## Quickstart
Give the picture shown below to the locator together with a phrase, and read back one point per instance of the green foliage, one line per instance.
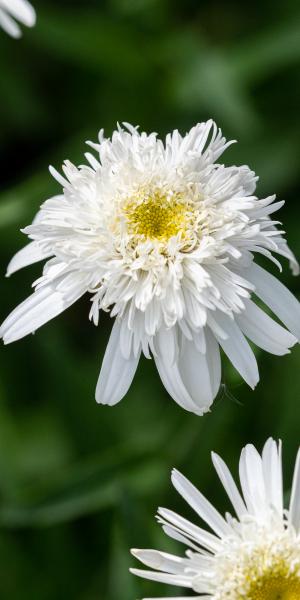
(80, 483)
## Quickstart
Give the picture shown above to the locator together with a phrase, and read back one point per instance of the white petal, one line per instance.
(238, 350)
(264, 331)
(277, 297)
(174, 385)
(21, 10)
(193, 532)
(213, 361)
(161, 561)
(28, 255)
(272, 469)
(125, 340)
(169, 371)
(9, 25)
(191, 377)
(284, 250)
(167, 344)
(252, 481)
(42, 306)
(229, 485)
(175, 534)
(200, 504)
(294, 512)
(201, 373)
(179, 580)
(117, 372)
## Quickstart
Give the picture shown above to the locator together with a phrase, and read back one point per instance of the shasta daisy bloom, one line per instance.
(254, 555)
(164, 238)
(16, 10)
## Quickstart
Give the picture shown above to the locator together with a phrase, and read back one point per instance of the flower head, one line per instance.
(254, 555)
(164, 238)
(16, 10)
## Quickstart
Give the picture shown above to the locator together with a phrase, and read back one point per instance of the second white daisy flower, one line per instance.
(252, 556)
(164, 238)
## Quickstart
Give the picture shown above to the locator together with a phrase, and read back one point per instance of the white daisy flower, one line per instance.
(163, 237)
(16, 10)
(253, 556)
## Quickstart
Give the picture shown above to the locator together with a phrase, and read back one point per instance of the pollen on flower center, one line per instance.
(275, 586)
(270, 571)
(159, 216)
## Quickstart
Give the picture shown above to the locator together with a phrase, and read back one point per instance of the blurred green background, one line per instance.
(80, 483)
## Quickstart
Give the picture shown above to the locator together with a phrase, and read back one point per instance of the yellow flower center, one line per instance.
(275, 587)
(159, 216)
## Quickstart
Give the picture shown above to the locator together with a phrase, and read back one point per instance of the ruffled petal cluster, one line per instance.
(164, 237)
(253, 555)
